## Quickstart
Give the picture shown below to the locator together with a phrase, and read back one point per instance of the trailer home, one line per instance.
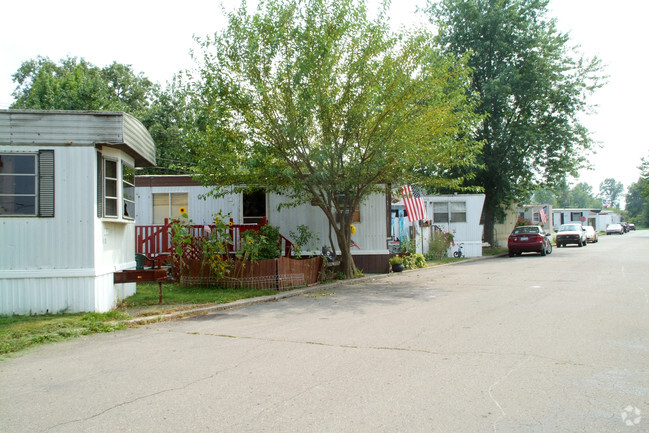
(161, 197)
(67, 208)
(458, 214)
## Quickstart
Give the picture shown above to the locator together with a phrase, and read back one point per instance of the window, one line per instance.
(27, 184)
(454, 212)
(110, 188)
(115, 188)
(458, 212)
(167, 205)
(128, 191)
(356, 213)
(440, 212)
(575, 216)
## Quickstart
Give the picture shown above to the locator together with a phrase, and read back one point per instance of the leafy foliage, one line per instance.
(610, 192)
(260, 244)
(75, 84)
(532, 89)
(304, 239)
(315, 100)
(440, 242)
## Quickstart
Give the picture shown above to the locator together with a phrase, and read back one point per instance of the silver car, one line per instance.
(591, 234)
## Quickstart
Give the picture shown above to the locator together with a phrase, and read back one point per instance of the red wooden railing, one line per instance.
(155, 240)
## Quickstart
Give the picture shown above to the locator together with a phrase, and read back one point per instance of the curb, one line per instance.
(198, 311)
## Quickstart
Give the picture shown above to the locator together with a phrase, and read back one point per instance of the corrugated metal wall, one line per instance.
(199, 210)
(370, 231)
(65, 241)
(65, 263)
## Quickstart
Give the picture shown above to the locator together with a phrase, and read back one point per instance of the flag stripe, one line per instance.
(414, 204)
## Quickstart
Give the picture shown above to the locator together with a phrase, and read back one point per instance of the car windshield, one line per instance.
(524, 229)
(570, 228)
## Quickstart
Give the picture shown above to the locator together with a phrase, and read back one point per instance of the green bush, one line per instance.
(414, 261)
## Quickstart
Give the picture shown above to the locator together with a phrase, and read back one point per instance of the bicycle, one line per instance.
(458, 253)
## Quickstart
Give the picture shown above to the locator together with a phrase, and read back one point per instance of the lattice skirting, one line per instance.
(273, 282)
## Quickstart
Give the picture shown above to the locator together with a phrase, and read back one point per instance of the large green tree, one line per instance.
(533, 90)
(75, 84)
(318, 101)
(610, 192)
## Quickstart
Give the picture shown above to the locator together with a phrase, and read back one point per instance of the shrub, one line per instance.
(414, 261)
(439, 244)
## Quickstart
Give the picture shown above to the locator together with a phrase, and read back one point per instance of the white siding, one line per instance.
(468, 233)
(371, 235)
(199, 210)
(62, 242)
(65, 263)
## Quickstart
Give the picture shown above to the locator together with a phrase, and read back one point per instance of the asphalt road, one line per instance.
(524, 344)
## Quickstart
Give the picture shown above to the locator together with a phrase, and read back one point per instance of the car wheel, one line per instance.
(549, 248)
(511, 254)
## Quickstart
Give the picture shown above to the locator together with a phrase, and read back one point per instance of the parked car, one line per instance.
(631, 226)
(572, 233)
(614, 229)
(591, 234)
(529, 239)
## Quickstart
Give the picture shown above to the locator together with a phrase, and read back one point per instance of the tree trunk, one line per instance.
(488, 219)
(347, 265)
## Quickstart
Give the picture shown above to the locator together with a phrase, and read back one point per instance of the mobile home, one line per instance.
(67, 208)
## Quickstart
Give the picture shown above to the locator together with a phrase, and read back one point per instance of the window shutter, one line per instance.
(100, 186)
(46, 183)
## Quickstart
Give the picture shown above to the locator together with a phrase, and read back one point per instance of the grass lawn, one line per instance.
(21, 332)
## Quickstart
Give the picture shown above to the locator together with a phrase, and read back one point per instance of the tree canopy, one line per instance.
(318, 101)
(532, 89)
(610, 192)
(75, 84)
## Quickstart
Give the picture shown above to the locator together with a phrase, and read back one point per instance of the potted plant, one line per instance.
(397, 263)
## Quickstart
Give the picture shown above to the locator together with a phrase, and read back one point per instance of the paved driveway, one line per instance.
(525, 344)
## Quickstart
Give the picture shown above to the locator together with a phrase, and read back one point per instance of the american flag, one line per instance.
(543, 215)
(414, 203)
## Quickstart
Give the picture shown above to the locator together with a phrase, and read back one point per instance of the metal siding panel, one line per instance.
(62, 242)
(75, 128)
(200, 210)
(46, 295)
(370, 231)
(138, 138)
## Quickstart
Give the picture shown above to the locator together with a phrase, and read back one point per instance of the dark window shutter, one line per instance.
(46, 183)
(100, 186)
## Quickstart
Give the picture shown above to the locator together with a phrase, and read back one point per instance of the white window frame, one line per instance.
(105, 179)
(128, 203)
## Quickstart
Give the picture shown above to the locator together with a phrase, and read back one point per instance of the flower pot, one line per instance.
(397, 267)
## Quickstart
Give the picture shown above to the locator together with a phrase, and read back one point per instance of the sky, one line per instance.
(155, 38)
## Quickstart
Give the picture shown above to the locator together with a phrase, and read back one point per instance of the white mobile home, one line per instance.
(458, 214)
(597, 218)
(161, 197)
(67, 208)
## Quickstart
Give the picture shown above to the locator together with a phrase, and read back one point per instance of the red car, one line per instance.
(529, 239)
